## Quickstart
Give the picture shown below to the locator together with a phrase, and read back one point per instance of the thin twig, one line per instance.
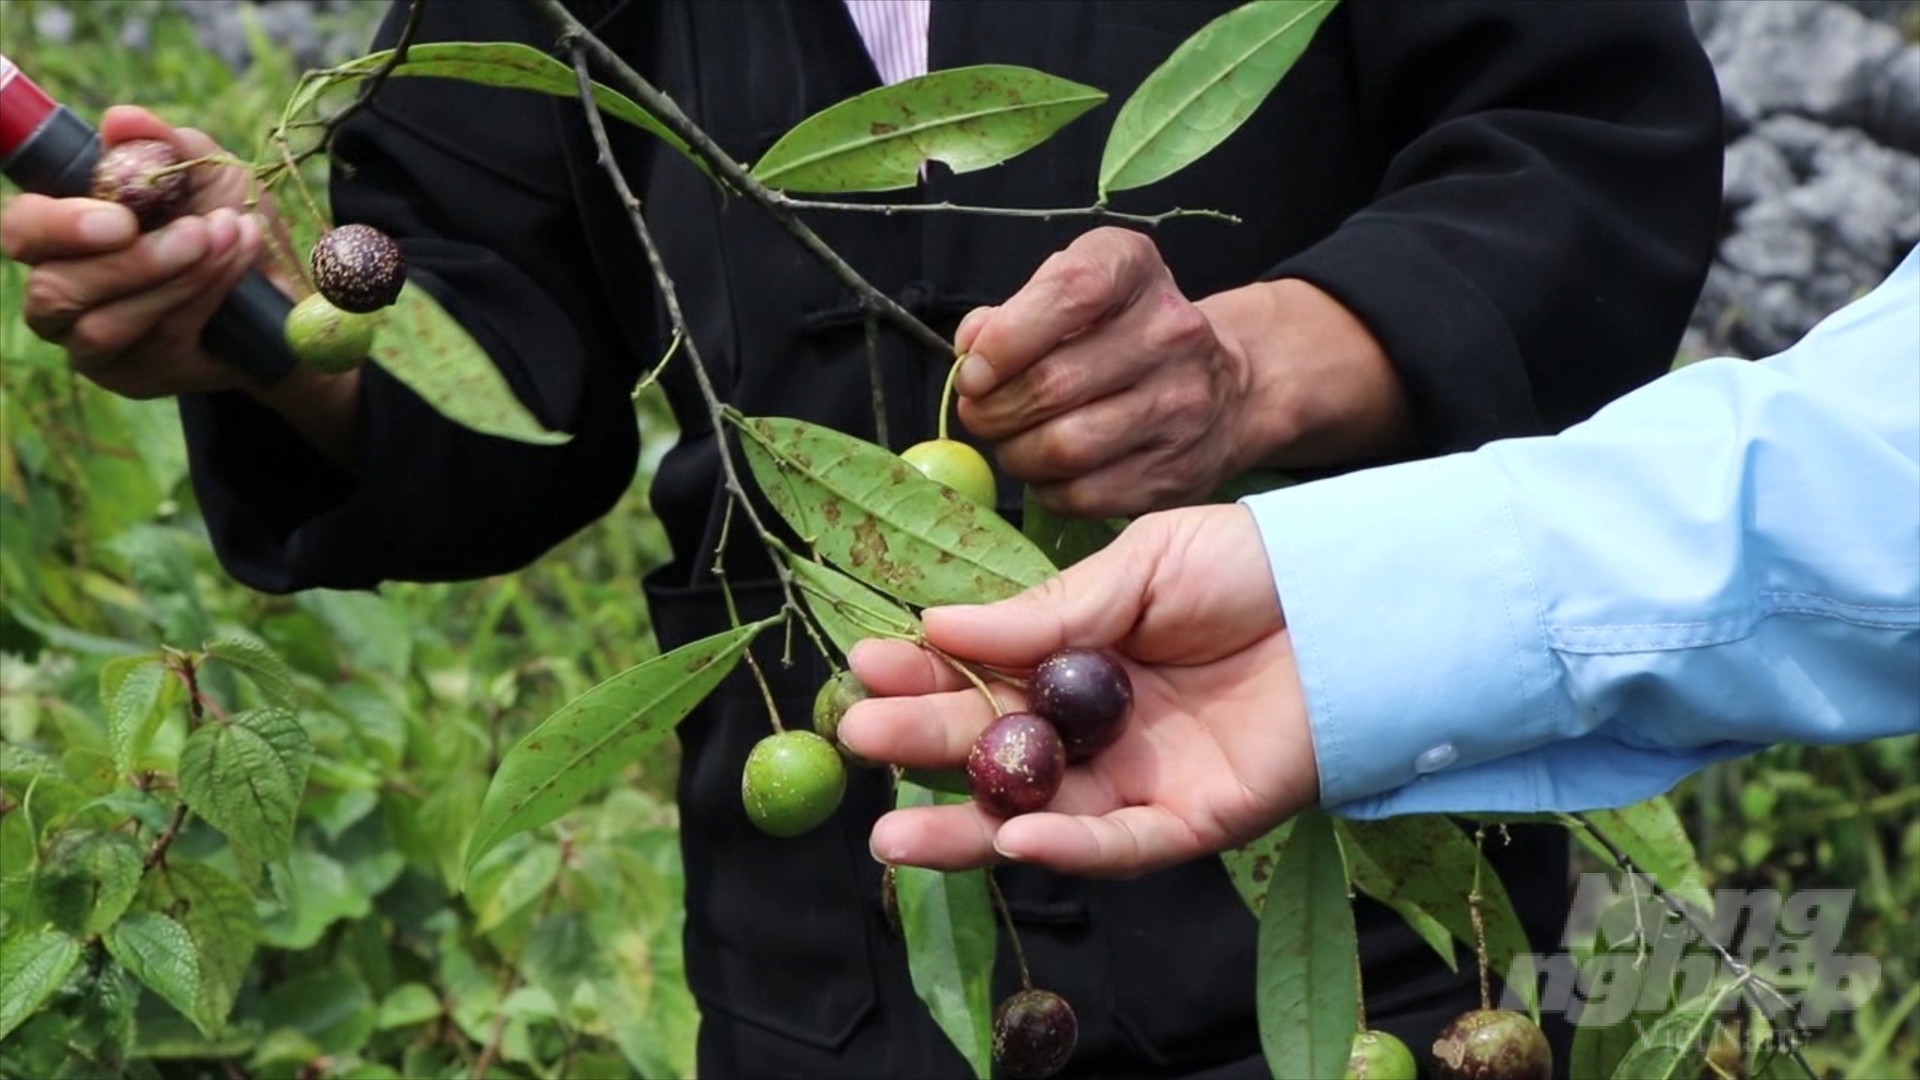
(875, 382)
(579, 45)
(157, 853)
(576, 36)
(1751, 984)
(1479, 926)
(1099, 213)
(375, 81)
(733, 614)
(1006, 915)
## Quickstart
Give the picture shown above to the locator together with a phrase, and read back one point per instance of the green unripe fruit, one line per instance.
(1377, 1055)
(830, 706)
(327, 338)
(793, 781)
(956, 465)
(1492, 1044)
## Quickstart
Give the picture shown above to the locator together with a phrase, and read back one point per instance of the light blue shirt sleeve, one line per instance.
(1724, 559)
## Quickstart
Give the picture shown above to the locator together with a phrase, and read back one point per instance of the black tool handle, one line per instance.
(249, 329)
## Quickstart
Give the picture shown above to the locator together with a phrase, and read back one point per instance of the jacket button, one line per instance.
(1435, 759)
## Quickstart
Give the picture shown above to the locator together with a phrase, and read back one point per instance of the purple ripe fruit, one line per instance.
(1085, 694)
(358, 268)
(1016, 765)
(1492, 1044)
(132, 174)
(1034, 1033)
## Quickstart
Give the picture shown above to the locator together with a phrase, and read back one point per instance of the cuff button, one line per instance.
(1435, 759)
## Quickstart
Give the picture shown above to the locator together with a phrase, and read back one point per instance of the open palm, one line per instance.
(1217, 748)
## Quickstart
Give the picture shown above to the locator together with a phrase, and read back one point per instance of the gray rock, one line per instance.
(1755, 169)
(136, 32)
(1894, 113)
(1813, 57)
(1797, 138)
(53, 24)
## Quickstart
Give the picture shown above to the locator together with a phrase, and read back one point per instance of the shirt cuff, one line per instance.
(1419, 641)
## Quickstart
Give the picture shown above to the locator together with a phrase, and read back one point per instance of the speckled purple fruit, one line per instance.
(1016, 765)
(1492, 1044)
(1034, 1033)
(1086, 695)
(358, 268)
(126, 174)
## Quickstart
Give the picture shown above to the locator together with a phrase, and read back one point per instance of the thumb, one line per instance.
(1093, 603)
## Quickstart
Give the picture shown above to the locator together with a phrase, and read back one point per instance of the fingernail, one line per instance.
(180, 245)
(223, 228)
(106, 226)
(975, 376)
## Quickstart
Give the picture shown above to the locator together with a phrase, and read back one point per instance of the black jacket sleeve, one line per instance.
(1548, 211)
(432, 161)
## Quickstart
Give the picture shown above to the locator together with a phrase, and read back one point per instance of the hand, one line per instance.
(127, 307)
(1216, 752)
(1111, 393)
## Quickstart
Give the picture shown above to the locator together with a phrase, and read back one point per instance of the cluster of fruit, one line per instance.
(1077, 701)
(357, 269)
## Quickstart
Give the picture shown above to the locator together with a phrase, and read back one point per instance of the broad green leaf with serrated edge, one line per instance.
(1307, 979)
(1676, 1045)
(1651, 834)
(31, 969)
(1427, 860)
(331, 1007)
(245, 777)
(1250, 865)
(966, 118)
(1204, 91)
(574, 751)
(427, 349)
(846, 610)
(1369, 879)
(508, 64)
(219, 914)
(1066, 540)
(881, 520)
(130, 692)
(947, 921)
(261, 665)
(408, 1004)
(499, 887)
(159, 952)
(86, 880)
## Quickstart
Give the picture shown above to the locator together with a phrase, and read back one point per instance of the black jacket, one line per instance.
(1519, 199)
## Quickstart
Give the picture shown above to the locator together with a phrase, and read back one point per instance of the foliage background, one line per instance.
(564, 958)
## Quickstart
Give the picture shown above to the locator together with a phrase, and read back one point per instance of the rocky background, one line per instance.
(1823, 154)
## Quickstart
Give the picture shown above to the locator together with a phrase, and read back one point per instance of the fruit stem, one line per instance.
(946, 394)
(1360, 991)
(968, 673)
(1473, 913)
(1006, 917)
(733, 617)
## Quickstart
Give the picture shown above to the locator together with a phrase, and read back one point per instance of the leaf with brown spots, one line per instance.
(1251, 864)
(968, 118)
(883, 522)
(422, 346)
(602, 731)
(846, 610)
(1306, 982)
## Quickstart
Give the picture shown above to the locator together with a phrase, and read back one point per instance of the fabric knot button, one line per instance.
(1435, 759)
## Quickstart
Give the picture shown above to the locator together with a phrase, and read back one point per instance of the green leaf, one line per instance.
(1676, 1046)
(592, 738)
(494, 63)
(882, 521)
(130, 692)
(31, 969)
(428, 350)
(245, 777)
(261, 665)
(1307, 983)
(219, 915)
(407, 1005)
(1204, 91)
(969, 118)
(1251, 865)
(846, 610)
(1066, 540)
(331, 1007)
(1370, 879)
(947, 920)
(1427, 861)
(319, 892)
(86, 881)
(944, 781)
(1653, 837)
(159, 952)
(1599, 1048)
(508, 880)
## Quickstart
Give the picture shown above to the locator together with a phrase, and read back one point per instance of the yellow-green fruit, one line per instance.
(327, 338)
(1377, 1055)
(830, 706)
(793, 781)
(956, 465)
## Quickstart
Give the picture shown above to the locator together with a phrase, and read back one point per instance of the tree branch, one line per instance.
(630, 82)
(1098, 213)
(375, 81)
